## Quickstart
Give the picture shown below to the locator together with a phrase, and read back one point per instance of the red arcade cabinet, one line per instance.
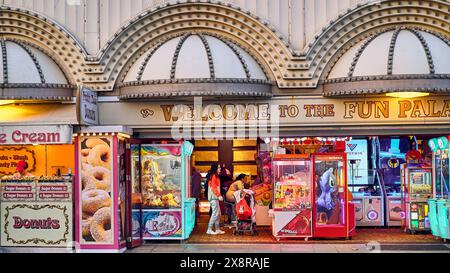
(333, 215)
(311, 197)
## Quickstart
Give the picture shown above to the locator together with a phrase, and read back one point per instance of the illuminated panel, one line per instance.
(206, 156)
(244, 142)
(206, 143)
(239, 156)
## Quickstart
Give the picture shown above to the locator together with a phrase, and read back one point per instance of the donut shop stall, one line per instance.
(130, 190)
(36, 174)
(37, 115)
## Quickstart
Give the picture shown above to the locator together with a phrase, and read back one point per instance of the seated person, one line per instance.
(237, 185)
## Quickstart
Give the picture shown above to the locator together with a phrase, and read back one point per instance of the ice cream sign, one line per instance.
(28, 135)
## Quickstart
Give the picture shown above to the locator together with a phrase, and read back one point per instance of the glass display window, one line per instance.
(292, 184)
(161, 176)
(421, 181)
(330, 187)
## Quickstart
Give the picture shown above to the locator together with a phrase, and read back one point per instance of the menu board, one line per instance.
(36, 213)
(15, 191)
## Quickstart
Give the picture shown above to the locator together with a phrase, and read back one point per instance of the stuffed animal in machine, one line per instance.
(327, 184)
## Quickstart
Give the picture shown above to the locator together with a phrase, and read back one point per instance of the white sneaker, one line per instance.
(211, 232)
(220, 232)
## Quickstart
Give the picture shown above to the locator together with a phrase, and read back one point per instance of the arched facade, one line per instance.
(293, 71)
(210, 70)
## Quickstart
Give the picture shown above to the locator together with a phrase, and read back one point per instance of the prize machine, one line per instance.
(440, 204)
(333, 215)
(391, 154)
(417, 188)
(161, 173)
(364, 184)
(310, 190)
(292, 204)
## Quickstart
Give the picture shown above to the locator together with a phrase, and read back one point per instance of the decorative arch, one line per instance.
(282, 65)
(151, 28)
(367, 20)
(38, 31)
(261, 40)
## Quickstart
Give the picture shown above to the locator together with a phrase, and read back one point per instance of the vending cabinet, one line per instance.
(292, 196)
(331, 211)
(417, 188)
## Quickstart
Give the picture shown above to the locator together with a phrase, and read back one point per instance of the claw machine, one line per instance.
(331, 209)
(292, 196)
(167, 211)
(417, 188)
(439, 218)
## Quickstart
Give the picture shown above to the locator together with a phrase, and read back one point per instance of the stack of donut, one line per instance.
(96, 190)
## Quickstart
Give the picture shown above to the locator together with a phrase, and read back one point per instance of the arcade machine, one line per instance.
(366, 189)
(417, 188)
(331, 213)
(439, 204)
(391, 154)
(163, 173)
(292, 205)
(310, 189)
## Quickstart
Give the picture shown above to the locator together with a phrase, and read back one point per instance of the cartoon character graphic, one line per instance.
(325, 202)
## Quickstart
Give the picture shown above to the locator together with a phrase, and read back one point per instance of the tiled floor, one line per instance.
(362, 236)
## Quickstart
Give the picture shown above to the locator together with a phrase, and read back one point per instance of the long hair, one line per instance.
(212, 171)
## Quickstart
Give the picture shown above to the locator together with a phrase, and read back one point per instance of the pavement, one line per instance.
(264, 248)
(293, 248)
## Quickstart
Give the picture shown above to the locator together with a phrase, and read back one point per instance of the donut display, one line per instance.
(93, 200)
(86, 227)
(92, 142)
(99, 178)
(101, 225)
(96, 185)
(100, 155)
(84, 155)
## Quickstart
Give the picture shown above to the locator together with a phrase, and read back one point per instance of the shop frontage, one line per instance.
(37, 167)
(342, 138)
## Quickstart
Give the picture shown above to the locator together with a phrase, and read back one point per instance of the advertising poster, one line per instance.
(36, 224)
(357, 160)
(10, 156)
(96, 198)
(162, 224)
(294, 223)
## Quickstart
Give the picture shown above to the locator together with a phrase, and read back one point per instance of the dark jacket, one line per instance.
(196, 180)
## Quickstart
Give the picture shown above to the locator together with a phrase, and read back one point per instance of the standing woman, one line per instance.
(214, 197)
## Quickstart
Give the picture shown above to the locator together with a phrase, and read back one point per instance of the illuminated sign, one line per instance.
(28, 135)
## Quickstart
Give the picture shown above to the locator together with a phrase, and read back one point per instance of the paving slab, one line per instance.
(325, 248)
(301, 248)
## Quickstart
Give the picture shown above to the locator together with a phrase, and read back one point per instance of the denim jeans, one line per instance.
(215, 215)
